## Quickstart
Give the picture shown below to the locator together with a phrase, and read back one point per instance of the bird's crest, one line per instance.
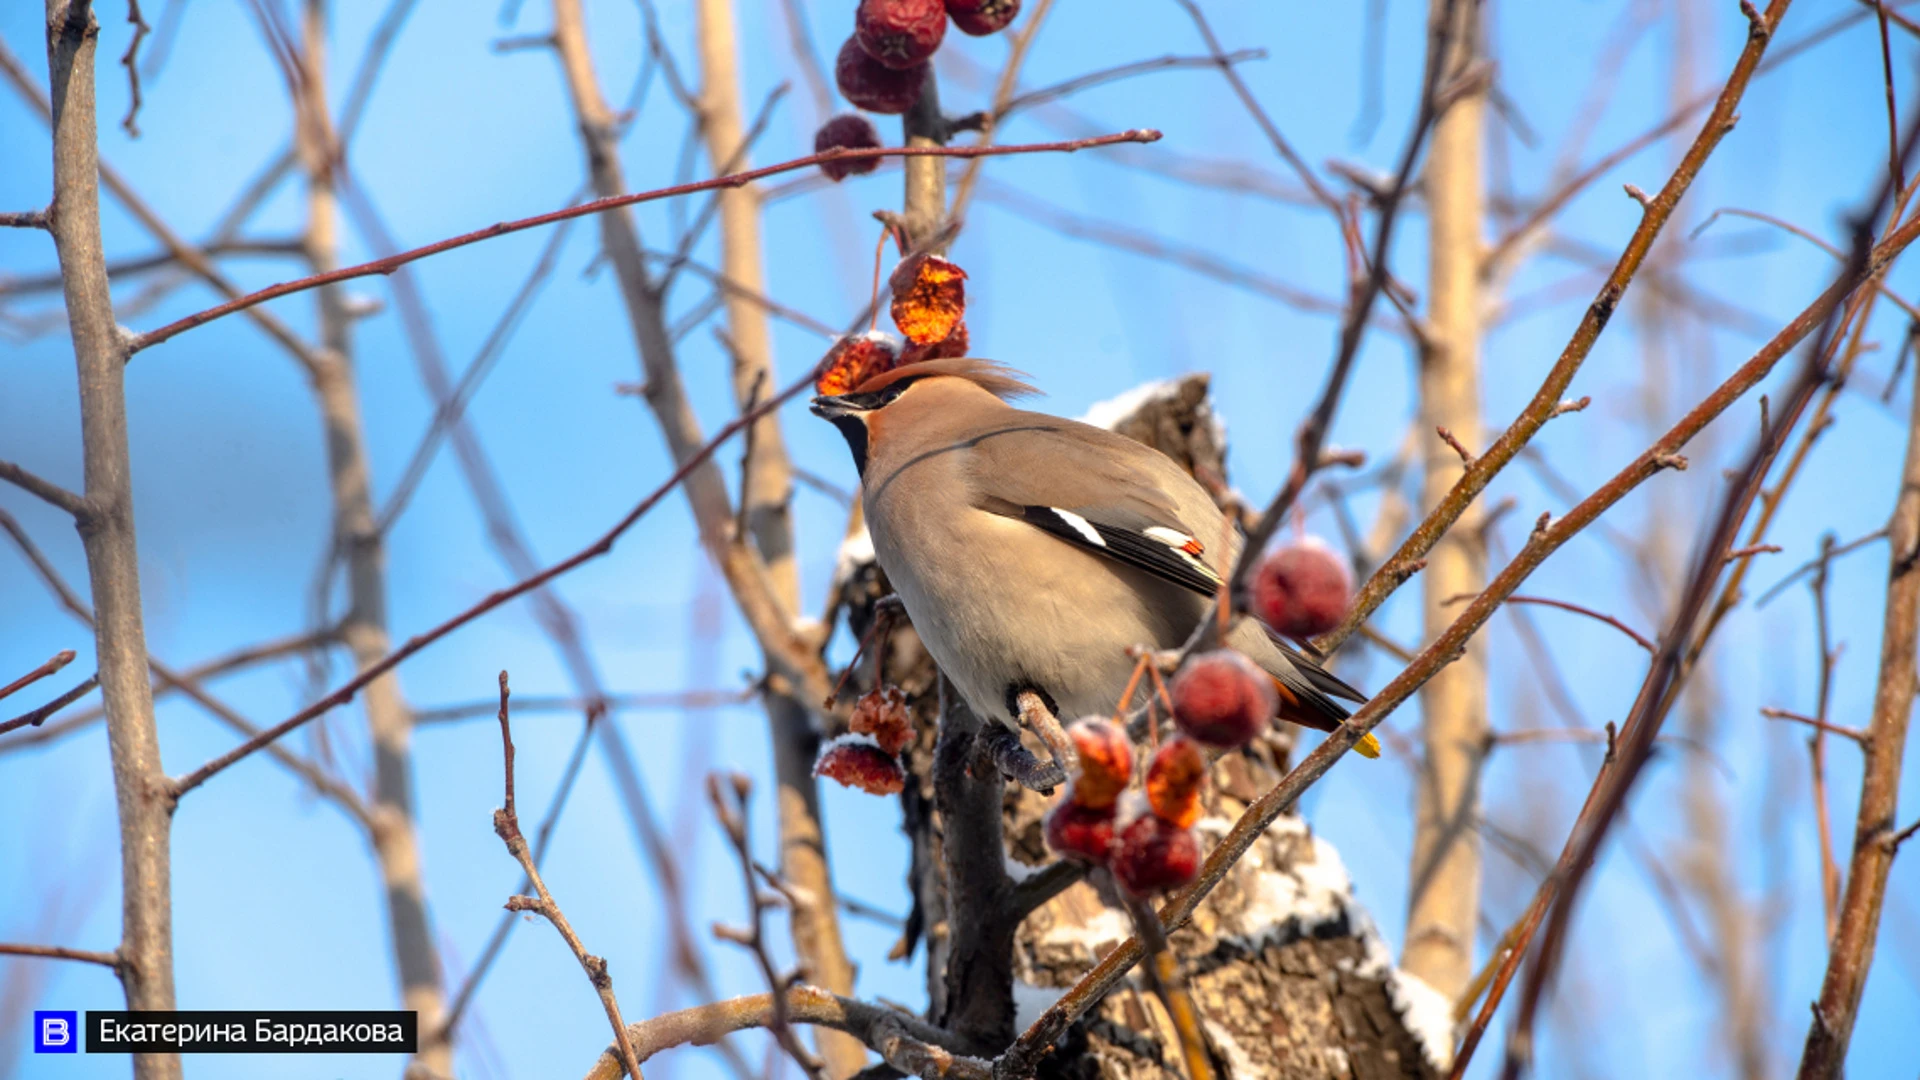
(995, 378)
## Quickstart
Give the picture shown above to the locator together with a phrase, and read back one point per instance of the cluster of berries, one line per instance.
(882, 67)
(1220, 701)
(868, 756)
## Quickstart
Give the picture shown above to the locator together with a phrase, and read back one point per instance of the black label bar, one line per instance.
(255, 1032)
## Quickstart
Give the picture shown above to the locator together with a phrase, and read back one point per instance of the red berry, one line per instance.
(1106, 763)
(854, 132)
(1081, 832)
(855, 360)
(1302, 590)
(1154, 855)
(1222, 699)
(982, 17)
(901, 34)
(873, 86)
(1173, 781)
(851, 762)
(953, 346)
(883, 715)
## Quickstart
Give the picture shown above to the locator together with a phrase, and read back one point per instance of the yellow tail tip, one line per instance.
(1367, 746)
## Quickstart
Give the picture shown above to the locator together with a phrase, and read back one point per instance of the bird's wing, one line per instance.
(1107, 494)
(1104, 493)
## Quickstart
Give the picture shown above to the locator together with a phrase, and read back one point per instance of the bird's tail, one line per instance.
(1310, 695)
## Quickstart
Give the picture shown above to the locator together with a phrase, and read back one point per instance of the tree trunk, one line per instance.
(140, 783)
(1444, 901)
(396, 842)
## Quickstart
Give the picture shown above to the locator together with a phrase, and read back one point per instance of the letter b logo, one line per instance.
(53, 1032)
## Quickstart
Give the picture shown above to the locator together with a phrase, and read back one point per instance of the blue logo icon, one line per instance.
(56, 1032)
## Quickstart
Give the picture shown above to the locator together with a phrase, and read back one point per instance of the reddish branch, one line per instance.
(57, 952)
(1884, 743)
(1094, 986)
(54, 663)
(1547, 399)
(1638, 638)
(394, 262)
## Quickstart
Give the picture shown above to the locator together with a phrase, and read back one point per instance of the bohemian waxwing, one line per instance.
(1031, 552)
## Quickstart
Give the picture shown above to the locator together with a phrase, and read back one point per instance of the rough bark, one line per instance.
(1444, 891)
(1852, 954)
(141, 793)
(363, 629)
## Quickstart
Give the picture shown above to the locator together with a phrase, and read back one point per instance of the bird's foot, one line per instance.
(1039, 719)
(1017, 763)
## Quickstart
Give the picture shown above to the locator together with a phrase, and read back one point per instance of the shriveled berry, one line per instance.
(872, 85)
(1303, 590)
(853, 132)
(1079, 831)
(1153, 855)
(855, 360)
(883, 715)
(953, 346)
(900, 33)
(852, 761)
(1222, 699)
(1174, 777)
(1106, 762)
(982, 17)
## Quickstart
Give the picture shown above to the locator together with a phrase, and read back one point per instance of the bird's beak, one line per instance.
(832, 408)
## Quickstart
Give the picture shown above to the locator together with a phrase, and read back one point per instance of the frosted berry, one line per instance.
(873, 86)
(853, 762)
(1106, 762)
(1153, 855)
(1302, 590)
(854, 132)
(1222, 699)
(901, 34)
(883, 715)
(1174, 777)
(1081, 832)
(982, 17)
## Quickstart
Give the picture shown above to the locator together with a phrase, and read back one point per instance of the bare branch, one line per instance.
(506, 823)
(388, 265)
(45, 490)
(1855, 734)
(1874, 840)
(906, 1042)
(54, 663)
(57, 952)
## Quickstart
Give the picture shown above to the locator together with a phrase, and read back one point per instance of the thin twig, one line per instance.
(57, 952)
(394, 262)
(506, 823)
(129, 60)
(54, 663)
(1855, 734)
(45, 490)
(1564, 605)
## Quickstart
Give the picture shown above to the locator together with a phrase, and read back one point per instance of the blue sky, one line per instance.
(277, 902)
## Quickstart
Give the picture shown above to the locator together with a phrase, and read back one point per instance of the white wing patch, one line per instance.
(1169, 537)
(1080, 525)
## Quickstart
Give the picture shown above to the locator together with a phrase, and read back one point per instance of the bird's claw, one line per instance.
(1019, 764)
